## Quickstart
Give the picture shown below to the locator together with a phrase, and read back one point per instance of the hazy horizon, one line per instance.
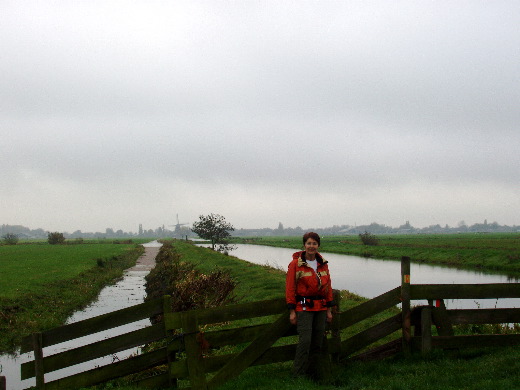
(172, 228)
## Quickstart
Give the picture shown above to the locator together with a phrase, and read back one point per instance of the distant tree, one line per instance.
(10, 238)
(215, 228)
(55, 238)
(368, 238)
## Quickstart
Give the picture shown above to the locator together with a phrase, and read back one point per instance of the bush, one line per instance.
(10, 239)
(188, 288)
(55, 238)
(368, 238)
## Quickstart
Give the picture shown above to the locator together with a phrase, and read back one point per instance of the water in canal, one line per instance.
(370, 278)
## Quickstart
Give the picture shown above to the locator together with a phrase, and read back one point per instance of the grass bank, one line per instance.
(490, 251)
(470, 369)
(44, 284)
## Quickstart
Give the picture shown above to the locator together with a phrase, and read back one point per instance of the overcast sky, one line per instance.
(309, 113)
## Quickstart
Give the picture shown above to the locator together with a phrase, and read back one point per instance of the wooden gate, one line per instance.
(183, 342)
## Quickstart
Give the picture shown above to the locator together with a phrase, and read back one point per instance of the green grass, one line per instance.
(44, 284)
(493, 252)
(255, 283)
(489, 369)
(28, 268)
(483, 369)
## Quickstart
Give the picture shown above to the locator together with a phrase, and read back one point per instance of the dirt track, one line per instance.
(147, 260)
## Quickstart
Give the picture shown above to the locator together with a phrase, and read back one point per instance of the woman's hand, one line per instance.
(292, 317)
(329, 315)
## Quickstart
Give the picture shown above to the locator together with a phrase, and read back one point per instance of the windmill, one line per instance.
(178, 226)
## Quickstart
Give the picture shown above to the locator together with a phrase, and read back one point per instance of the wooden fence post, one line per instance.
(405, 305)
(194, 359)
(37, 340)
(253, 351)
(426, 330)
(335, 328)
(171, 357)
(441, 319)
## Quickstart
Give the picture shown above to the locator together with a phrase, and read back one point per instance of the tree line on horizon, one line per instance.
(375, 228)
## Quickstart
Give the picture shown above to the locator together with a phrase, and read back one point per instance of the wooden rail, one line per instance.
(259, 333)
(181, 331)
(427, 317)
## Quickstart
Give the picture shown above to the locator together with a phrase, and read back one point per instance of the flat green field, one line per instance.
(41, 284)
(491, 251)
(27, 268)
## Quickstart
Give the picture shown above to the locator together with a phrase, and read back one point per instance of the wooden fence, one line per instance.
(260, 333)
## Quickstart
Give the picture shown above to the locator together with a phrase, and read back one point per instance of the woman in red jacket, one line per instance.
(308, 292)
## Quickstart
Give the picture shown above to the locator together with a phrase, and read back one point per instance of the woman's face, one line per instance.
(311, 246)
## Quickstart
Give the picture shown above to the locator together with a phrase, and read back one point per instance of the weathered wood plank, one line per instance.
(167, 308)
(465, 291)
(38, 360)
(194, 359)
(406, 304)
(380, 352)
(335, 328)
(235, 336)
(426, 330)
(252, 352)
(371, 335)
(172, 321)
(112, 371)
(476, 341)
(154, 382)
(96, 324)
(230, 313)
(179, 369)
(370, 308)
(278, 354)
(95, 350)
(441, 320)
(484, 316)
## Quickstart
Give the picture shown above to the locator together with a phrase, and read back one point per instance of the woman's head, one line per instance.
(312, 235)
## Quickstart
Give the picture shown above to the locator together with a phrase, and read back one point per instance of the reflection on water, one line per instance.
(370, 278)
(129, 291)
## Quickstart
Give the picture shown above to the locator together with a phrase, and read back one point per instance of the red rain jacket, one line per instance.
(301, 281)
